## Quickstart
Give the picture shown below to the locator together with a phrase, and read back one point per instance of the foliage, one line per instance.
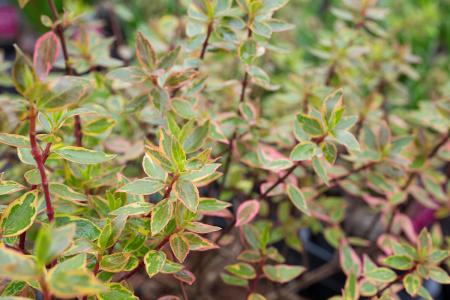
(210, 137)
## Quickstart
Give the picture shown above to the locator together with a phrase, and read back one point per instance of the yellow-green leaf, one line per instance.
(82, 155)
(19, 215)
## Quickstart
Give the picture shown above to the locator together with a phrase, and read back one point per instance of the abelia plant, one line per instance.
(199, 160)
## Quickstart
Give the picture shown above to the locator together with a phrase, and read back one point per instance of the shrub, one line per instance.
(208, 139)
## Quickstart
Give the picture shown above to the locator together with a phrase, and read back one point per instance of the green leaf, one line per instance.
(153, 169)
(273, 5)
(347, 139)
(168, 60)
(51, 242)
(13, 287)
(85, 229)
(187, 193)
(105, 235)
(367, 289)
(114, 263)
(82, 155)
(183, 108)
(171, 267)
(144, 186)
(65, 192)
(311, 125)
(197, 138)
(246, 212)
(16, 266)
(23, 74)
(260, 77)
(303, 151)
(242, 270)
(329, 152)
(349, 260)
(383, 275)
(19, 215)
(198, 243)
(351, 289)
(145, 52)
(133, 209)
(247, 51)
(412, 284)
(200, 174)
(297, 198)
(69, 283)
(178, 154)
(63, 92)
(399, 262)
(125, 77)
(15, 140)
(161, 215)
(116, 291)
(261, 28)
(233, 280)
(198, 227)
(439, 275)
(154, 262)
(320, 170)
(9, 187)
(282, 273)
(212, 205)
(180, 246)
(437, 256)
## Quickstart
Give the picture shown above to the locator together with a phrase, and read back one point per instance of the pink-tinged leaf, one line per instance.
(45, 54)
(246, 212)
(385, 243)
(407, 226)
(223, 213)
(372, 200)
(185, 276)
(349, 260)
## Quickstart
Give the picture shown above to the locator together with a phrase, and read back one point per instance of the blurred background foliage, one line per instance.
(422, 24)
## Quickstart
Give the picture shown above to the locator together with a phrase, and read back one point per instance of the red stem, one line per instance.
(39, 159)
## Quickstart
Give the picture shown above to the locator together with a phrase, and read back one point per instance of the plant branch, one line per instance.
(183, 290)
(39, 159)
(78, 134)
(206, 41)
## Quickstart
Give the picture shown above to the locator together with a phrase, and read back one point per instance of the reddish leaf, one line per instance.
(45, 54)
(185, 276)
(246, 212)
(180, 246)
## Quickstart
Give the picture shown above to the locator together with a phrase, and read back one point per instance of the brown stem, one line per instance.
(141, 263)
(206, 41)
(39, 159)
(183, 290)
(22, 240)
(430, 155)
(227, 163)
(78, 134)
(259, 273)
(336, 180)
(261, 197)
